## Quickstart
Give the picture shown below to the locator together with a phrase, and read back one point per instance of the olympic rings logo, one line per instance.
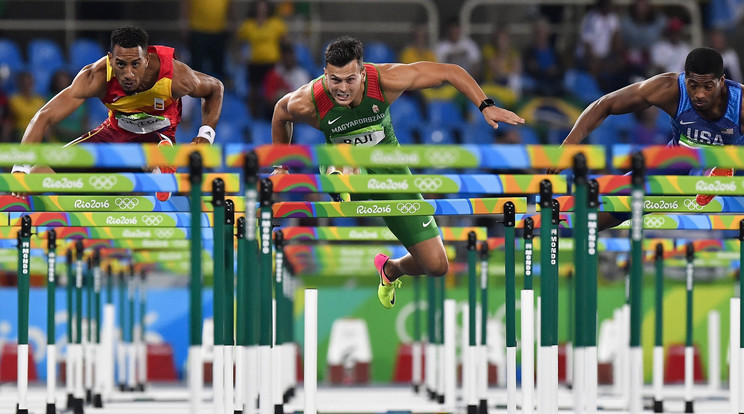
(126, 203)
(408, 208)
(103, 182)
(61, 156)
(442, 158)
(691, 204)
(427, 184)
(152, 220)
(164, 233)
(654, 222)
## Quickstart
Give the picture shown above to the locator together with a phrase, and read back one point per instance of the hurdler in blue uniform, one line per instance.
(704, 106)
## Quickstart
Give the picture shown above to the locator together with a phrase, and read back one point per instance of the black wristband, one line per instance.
(486, 103)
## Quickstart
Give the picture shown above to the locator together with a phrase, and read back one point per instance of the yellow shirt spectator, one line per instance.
(412, 54)
(263, 38)
(208, 16)
(23, 108)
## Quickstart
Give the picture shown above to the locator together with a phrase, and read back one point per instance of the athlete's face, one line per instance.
(704, 90)
(346, 83)
(129, 65)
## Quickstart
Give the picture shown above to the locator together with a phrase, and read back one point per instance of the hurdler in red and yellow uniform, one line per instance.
(143, 116)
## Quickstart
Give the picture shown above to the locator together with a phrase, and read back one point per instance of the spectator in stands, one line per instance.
(646, 131)
(640, 28)
(22, 106)
(598, 29)
(285, 77)
(4, 116)
(208, 34)
(460, 50)
(731, 67)
(502, 61)
(264, 32)
(418, 50)
(668, 54)
(542, 63)
(74, 125)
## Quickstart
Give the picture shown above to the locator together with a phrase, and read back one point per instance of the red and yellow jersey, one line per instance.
(148, 111)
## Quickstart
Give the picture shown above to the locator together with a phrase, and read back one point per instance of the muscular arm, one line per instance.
(661, 91)
(398, 78)
(294, 107)
(187, 81)
(90, 82)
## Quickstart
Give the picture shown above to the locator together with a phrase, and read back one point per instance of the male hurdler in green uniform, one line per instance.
(349, 104)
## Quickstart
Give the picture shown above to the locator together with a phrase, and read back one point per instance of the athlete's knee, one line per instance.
(437, 267)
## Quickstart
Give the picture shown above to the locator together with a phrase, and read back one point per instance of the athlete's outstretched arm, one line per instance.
(187, 81)
(90, 82)
(293, 107)
(660, 90)
(398, 78)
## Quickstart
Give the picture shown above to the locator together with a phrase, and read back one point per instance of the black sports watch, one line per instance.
(486, 103)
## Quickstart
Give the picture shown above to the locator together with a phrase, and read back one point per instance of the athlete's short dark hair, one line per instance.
(704, 61)
(129, 36)
(343, 50)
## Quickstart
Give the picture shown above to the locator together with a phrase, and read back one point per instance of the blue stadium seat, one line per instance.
(305, 59)
(307, 135)
(11, 62)
(529, 135)
(582, 85)
(97, 112)
(229, 132)
(235, 110)
(44, 58)
(436, 135)
(478, 133)
(260, 132)
(405, 113)
(83, 52)
(377, 52)
(444, 113)
(405, 135)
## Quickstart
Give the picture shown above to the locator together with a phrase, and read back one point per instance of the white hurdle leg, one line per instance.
(689, 378)
(22, 366)
(266, 401)
(251, 382)
(635, 377)
(51, 370)
(511, 379)
(311, 350)
(69, 373)
(107, 348)
(218, 378)
(196, 377)
(740, 353)
(734, 329)
(538, 356)
(450, 358)
(579, 383)
(658, 378)
(590, 380)
(228, 381)
(240, 377)
(416, 352)
(528, 351)
(714, 350)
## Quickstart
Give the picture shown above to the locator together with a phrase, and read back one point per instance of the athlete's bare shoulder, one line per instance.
(661, 90)
(301, 105)
(91, 81)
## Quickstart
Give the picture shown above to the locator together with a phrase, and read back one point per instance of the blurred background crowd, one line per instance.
(545, 61)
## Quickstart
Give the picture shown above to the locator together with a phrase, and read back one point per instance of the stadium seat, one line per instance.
(11, 62)
(582, 85)
(406, 135)
(44, 58)
(306, 60)
(405, 113)
(529, 135)
(444, 114)
(436, 135)
(377, 52)
(83, 52)
(235, 110)
(478, 133)
(228, 132)
(307, 135)
(97, 112)
(260, 132)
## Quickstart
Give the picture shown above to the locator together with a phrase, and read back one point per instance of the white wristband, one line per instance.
(25, 168)
(206, 132)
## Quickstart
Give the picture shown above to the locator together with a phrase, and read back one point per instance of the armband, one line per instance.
(206, 132)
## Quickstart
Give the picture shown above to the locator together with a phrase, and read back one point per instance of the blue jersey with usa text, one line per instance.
(692, 130)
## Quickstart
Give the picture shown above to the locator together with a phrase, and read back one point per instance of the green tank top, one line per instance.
(367, 124)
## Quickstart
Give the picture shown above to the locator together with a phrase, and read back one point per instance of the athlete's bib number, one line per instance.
(366, 139)
(142, 123)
